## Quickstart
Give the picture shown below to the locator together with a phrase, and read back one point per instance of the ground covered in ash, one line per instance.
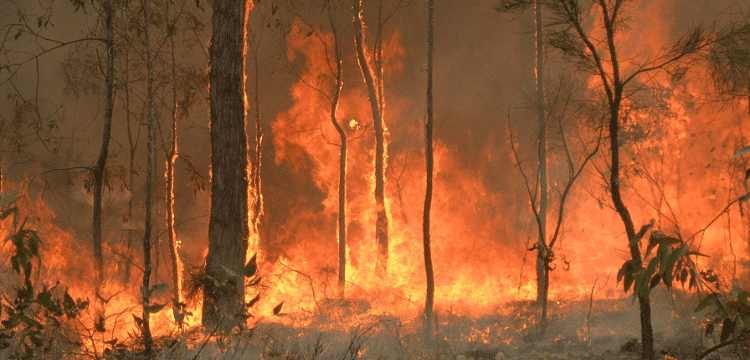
(604, 329)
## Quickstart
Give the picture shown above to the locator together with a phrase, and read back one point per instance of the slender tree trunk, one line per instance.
(381, 226)
(146, 286)
(429, 162)
(542, 260)
(98, 170)
(228, 225)
(132, 146)
(174, 242)
(615, 96)
(342, 155)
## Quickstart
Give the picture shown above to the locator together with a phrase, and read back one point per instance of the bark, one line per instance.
(542, 260)
(174, 242)
(146, 286)
(381, 226)
(133, 145)
(615, 95)
(429, 162)
(342, 155)
(98, 170)
(228, 232)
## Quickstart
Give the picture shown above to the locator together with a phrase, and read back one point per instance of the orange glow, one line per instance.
(676, 170)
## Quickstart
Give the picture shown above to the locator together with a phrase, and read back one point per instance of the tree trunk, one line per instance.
(132, 147)
(98, 170)
(174, 242)
(342, 155)
(542, 260)
(429, 299)
(146, 286)
(381, 226)
(228, 232)
(647, 332)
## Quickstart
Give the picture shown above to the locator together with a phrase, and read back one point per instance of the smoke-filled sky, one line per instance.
(484, 76)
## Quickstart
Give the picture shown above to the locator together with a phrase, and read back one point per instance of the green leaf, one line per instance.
(158, 287)
(15, 264)
(740, 152)
(138, 321)
(727, 328)
(18, 34)
(708, 300)
(252, 267)
(642, 280)
(695, 253)
(31, 322)
(11, 323)
(155, 308)
(654, 281)
(253, 301)
(669, 265)
(277, 309)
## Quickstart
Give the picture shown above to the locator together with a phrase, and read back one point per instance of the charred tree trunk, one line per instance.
(542, 260)
(381, 226)
(342, 154)
(228, 232)
(429, 162)
(98, 170)
(146, 286)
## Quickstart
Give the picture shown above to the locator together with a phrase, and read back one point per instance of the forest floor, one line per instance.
(604, 329)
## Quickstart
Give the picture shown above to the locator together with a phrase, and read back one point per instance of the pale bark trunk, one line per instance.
(174, 242)
(381, 225)
(342, 156)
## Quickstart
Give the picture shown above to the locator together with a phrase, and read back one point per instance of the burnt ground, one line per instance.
(345, 331)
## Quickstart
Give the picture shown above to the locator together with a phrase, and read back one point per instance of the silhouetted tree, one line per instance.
(601, 58)
(429, 163)
(146, 284)
(228, 232)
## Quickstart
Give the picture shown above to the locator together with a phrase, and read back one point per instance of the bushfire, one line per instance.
(601, 155)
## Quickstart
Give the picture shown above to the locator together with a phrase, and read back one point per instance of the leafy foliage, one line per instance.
(670, 263)
(30, 313)
(731, 309)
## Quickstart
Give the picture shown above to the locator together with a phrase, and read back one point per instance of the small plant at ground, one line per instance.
(731, 310)
(31, 318)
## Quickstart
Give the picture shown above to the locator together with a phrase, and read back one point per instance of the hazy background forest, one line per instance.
(680, 135)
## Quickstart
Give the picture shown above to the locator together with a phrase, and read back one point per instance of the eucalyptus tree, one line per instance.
(601, 56)
(228, 229)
